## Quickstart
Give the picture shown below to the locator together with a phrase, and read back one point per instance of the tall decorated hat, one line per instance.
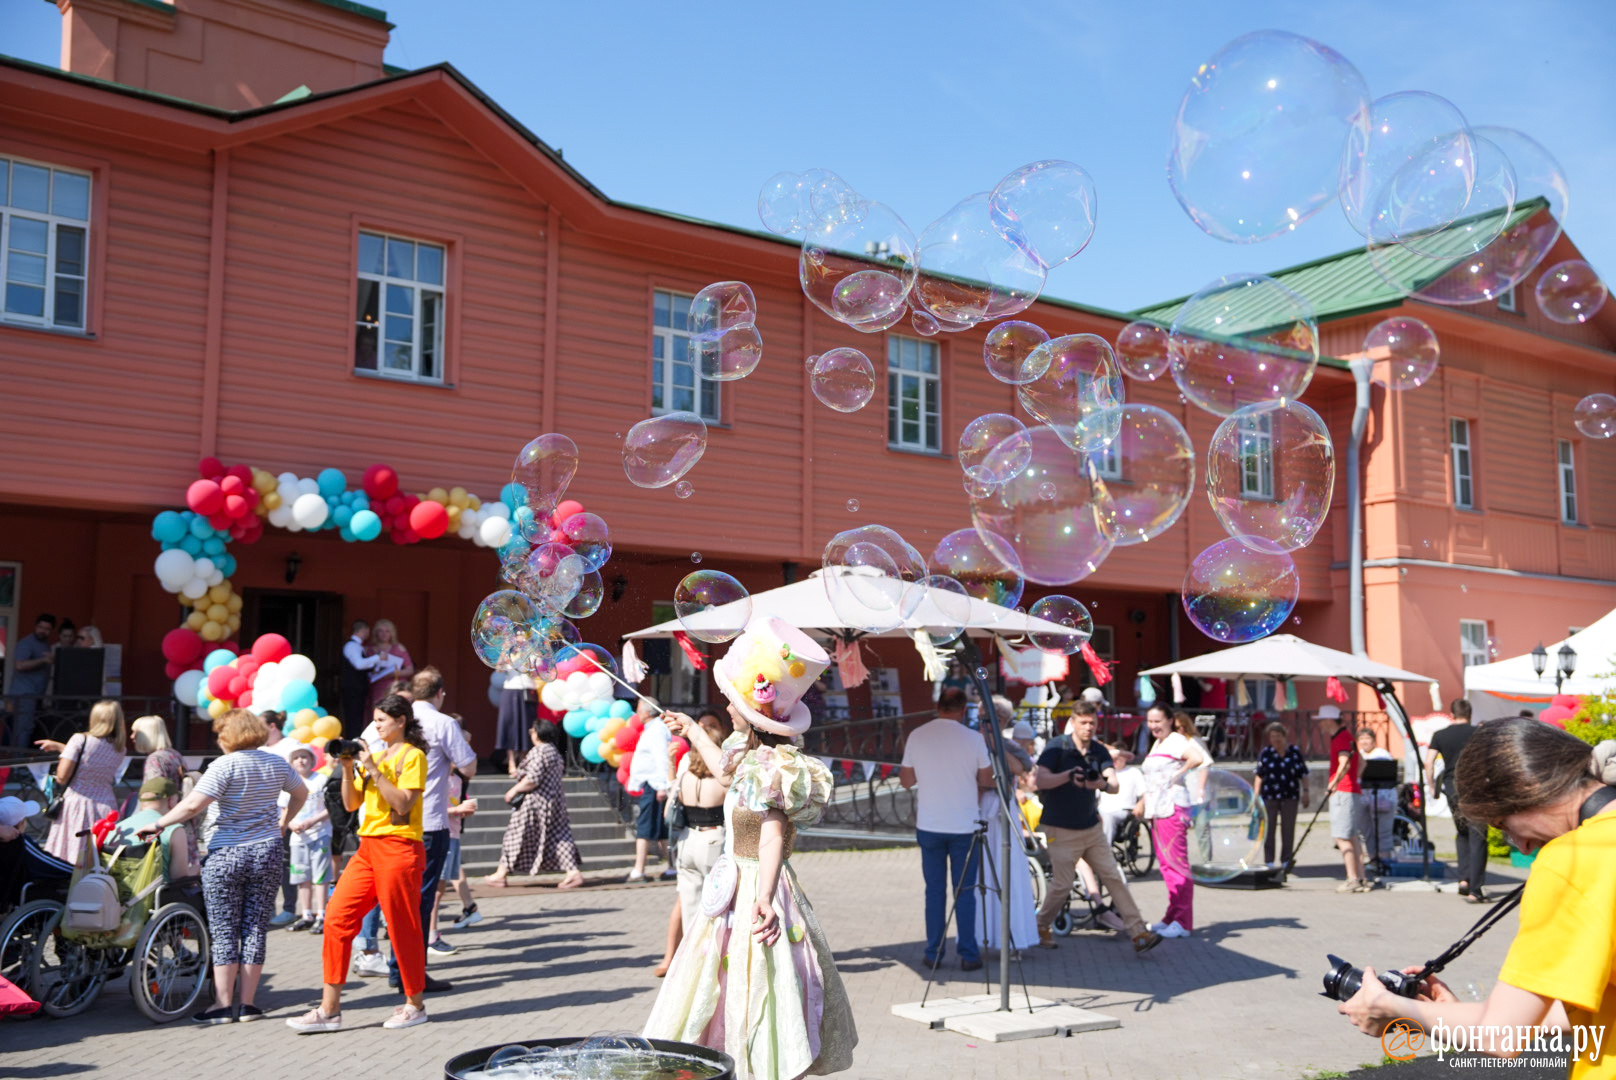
(766, 672)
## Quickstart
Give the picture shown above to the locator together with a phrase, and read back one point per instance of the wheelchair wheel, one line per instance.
(1040, 884)
(1139, 852)
(1062, 925)
(20, 935)
(168, 971)
(64, 976)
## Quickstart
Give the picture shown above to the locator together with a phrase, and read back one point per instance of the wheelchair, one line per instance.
(1082, 910)
(169, 965)
(1134, 848)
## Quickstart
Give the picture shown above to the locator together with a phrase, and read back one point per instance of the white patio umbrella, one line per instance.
(1286, 656)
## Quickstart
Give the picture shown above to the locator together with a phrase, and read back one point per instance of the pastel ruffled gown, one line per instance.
(779, 1010)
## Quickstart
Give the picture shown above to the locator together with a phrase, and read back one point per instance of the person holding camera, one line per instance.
(1550, 793)
(1071, 770)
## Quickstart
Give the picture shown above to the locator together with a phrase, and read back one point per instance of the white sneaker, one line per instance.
(315, 1020)
(404, 1016)
(1174, 930)
(634, 879)
(470, 917)
(1157, 928)
(370, 963)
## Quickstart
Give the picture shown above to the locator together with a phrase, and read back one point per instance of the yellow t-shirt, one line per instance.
(1565, 946)
(407, 769)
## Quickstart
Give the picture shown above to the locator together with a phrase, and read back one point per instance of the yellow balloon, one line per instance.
(305, 717)
(195, 620)
(211, 631)
(438, 495)
(320, 741)
(218, 613)
(473, 503)
(329, 726)
(217, 708)
(613, 726)
(270, 501)
(234, 604)
(303, 734)
(614, 756)
(234, 623)
(457, 496)
(264, 481)
(220, 592)
(201, 603)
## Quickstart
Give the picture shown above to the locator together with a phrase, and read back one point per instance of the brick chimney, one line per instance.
(233, 54)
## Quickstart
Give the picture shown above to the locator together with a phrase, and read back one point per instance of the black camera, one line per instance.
(341, 748)
(1343, 980)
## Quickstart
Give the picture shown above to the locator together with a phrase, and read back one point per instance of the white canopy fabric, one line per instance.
(1286, 656)
(1515, 679)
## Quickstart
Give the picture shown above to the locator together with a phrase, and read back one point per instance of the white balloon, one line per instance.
(286, 479)
(600, 686)
(497, 509)
(202, 567)
(216, 577)
(495, 531)
(293, 526)
(296, 668)
(310, 510)
(174, 568)
(194, 589)
(551, 696)
(202, 714)
(281, 516)
(186, 685)
(308, 485)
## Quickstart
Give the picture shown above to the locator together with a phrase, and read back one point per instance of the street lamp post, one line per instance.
(1540, 659)
(1568, 666)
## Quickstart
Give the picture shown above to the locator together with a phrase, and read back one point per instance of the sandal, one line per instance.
(571, 882)
(494, 883)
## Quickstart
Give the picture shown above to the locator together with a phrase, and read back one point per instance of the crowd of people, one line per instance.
(34, 671)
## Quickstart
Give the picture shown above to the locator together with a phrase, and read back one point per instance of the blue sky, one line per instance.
(689, 107)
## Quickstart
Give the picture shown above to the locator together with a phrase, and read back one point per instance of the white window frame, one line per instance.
(922, 384)
(419, 291)
(1107, 460)
(1508, 301)
(1568, 481)
(54, 277)
(1462, 454)
(1257, 456)
(1473, 638)
(673, 347)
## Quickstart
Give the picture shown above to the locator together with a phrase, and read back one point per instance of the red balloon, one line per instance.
(565, 510)
(221, 521)
(219, 682)
(232, 485)
(243, 473)
(622, 773)
(430, 519)
(679, 744)
(236, 508)
(245, 700)
(210, 468)
(229, 647)
(237, 687)
(627, 738)
(204, 496)
(380, 482)
(248, 666)
(182, 645)
(271, 649)
(394, 505)
(173, 670)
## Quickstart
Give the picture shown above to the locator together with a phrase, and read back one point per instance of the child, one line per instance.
(310, 865)
(454, 874)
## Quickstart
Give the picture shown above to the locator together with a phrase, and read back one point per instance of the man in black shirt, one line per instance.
(1448, 744)
(1071, 770)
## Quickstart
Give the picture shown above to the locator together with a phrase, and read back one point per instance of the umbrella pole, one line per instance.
(1394, 705)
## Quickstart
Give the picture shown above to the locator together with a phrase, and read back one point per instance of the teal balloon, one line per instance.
(576, 723)
(288, 727)
(594, 723)
(217, 658)
(513, 495)
(331, 482)
(212, 546)
(365, 524)
(168, 528)
(297, 695)
(191, 546)
(620, 710)
(601, 709)
(343, 516)
(590, 748)
(200, 527)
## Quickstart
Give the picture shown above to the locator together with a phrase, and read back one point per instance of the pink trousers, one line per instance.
(1171, 835)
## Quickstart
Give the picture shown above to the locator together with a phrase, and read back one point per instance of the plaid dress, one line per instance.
(539, 838)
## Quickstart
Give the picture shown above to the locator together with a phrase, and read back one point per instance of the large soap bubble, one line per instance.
(1596, 416)
(1078, 392)
(942, 608)
(1256, 145)
(868, 573)
(1242, 339)
(990, 572)
(1410, 348)
(543, 470)
(723, 328)
(843, 379)
(1570, 292)
(1073, 618)
(587, 600)
(783, 204)
(1058, 539)
(830, 198)
(1142, 350)
(1046, 208)
(1227, 824)
(553, 576)
(1389, 203)
(1143, 480)
(712, 606)
(1008, 348)
(994, 447)
(1234, 593)
(661, 449)
(502, 630)
(589, 536)
(874, 238)
(968, 272)
(1270, 472)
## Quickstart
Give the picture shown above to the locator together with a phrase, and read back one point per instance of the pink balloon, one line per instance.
(271, 649)
(205, 497)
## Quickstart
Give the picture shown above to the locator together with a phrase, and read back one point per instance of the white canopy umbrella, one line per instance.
(1512, 681)
(1286, 656)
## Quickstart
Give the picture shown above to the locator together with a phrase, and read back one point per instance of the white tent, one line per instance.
(1500, 688)
(1286, 656)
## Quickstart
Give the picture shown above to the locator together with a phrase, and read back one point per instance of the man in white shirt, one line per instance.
(949, 764)
(354, 678)
(650, 774)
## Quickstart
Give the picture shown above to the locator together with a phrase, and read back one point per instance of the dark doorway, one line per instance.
(311, 621)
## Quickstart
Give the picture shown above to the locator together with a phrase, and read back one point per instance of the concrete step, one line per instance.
(604, 841)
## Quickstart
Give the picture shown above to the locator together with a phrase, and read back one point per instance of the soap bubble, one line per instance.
(978, 490)
(1412, 352)
(588, 535)
(1046, 208)
(830, 198)
(1596, 416)
(1242, 339)
(712, 606)
(725, 338)
(695, 557)
(684, 489)
(543, 470)
(660, 450)
(988, 568)
(852, 506)
(502, 630)
(1008, 348)
(867, 572)
(1270, 472)
(1383, 199)
(1256, 145)
(994, 447)
(968, 272)
(1143, 480)
(866, 291)
(1235, 594)
(843, 379)
(1057, 540)
(873, 238)
(942, 608)
(554, 575)
(1074, 619)
(924, 322)
(1570, 292)
(1142, 350)
(1227, 823)
(884, 322)
(586, 601)
(1401, 220)
(1078, 392)
(1047, 491)
(721, 306)
(505, 1054)
(783, 204)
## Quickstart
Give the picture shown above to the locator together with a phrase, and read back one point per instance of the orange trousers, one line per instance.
(386, 870)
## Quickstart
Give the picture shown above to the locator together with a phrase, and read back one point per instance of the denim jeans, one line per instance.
(370, 930)
(943, 856)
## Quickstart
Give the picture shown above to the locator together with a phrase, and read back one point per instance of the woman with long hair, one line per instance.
(539, 839)
(699, 845)
(387, 867)
(150, 734)
(755, 977)
(1167, 802)
(1550, 793)
(384, 642)
(90, 764)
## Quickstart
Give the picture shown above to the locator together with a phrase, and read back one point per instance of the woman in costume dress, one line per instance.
(755, 977)
(1023, 906)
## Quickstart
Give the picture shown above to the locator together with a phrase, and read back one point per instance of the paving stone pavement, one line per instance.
(1239, 999)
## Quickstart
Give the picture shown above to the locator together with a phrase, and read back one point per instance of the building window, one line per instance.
(1473, 642)
(1568, 483)
(676, 382)
(1257, 456)
(914, 394)
(1107, 460)
(1464, 485)
(1507, 301)
(399, 327)
(44, 244)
